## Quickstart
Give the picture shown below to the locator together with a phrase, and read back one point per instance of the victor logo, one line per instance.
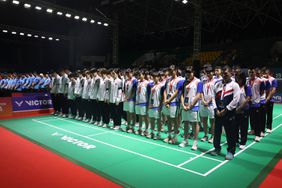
(74, 141)
(38, 102)
(19, 103)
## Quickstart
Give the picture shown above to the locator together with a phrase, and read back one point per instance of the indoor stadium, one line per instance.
(140, 93)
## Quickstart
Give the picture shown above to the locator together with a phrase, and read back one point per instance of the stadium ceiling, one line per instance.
(159, 18)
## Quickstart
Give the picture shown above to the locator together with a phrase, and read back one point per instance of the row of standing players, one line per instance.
(224, 96)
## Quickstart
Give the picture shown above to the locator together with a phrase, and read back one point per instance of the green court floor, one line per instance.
(135, 161)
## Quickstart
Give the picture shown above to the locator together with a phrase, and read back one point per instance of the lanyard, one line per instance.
(155, 88)
(171, 83)
(141, 85)
(188, 87)
(209, 85)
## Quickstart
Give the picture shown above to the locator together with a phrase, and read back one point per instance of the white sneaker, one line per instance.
(167, 139)
(262, 134)
(64, 116)
(251, 132)
(257, 139)
(211, 140)
(105, 125)
(242, 147)
(129, 131)
(183, 144)
(204, 139)
(79, 118)
(70, 116)
(116, 128)
(100, 124)
(91, 121)
(195, 146)
(157, 137)
(87, 121)
(268, 131)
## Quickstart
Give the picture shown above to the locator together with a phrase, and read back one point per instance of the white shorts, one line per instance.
(172, 111)
(189, 115)
(128, 106)
(206, 111)
(154, 113)
(140, 110)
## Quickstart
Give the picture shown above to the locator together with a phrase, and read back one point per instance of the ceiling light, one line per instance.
(29, 35)
(76, 17)
(15, 2)
(43, 37)
(106, 24)
(92, 21)
(185, 1)
(50, 38)
(57, 39)
(59, 13)
(49, 10)
(35, 36)
(27, 5)
(14, 32)
(22, 34)
(99, 23)
(68, 15)
(84, 19)
(4, 31)
(38, 8)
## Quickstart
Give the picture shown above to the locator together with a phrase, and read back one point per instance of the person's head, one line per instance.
(252, 73)
(268, 73)
(237, 70)
(172, 71)
(226, 73)
(258, 72)
(217, 71)
(241, 79)
(189, 73)
(209, 72)
(156, 77)
(129, 73)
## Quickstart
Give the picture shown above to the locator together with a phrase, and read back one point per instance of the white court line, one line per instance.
(216, 167)
(145, 141)
(192, 159)
(277, 116)
(123, 149)
(99, 133)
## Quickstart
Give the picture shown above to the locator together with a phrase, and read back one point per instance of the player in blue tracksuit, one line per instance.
(227, 98)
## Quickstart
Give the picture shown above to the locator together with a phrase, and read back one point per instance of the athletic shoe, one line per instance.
(100, 124)
(268, 131)
(173, 140)
(215, 152)
(183, 144)
(145, 133)
(55, 113)
(251, 132)
(257, 139)
(61, 115)
(91, 121)
(167, 139)
(262, 134)
(116, 128)
(87, 121)
(138, 132)
(195, 146)
(70, 116)
(211, 140)
(64, 116)
(157, 137)
(151, 135)
(79, 118)
(229, 156)
(205, 138)
(242, 147)
(105, 125)
(129, 131)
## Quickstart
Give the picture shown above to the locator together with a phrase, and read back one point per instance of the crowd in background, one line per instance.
(168, 99)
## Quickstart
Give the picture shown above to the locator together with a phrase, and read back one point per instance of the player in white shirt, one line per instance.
(78, 92)
(116, 99)
(171, 104)
(71, 96)
(155, 105)
(141, 103)
(207, 104)
(191, 93)
(129, 99)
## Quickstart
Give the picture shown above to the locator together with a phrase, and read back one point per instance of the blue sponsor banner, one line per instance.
(31, 101)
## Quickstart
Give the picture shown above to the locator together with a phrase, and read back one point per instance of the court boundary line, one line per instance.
(145, 141)
(120, 148)
(224, 162)
(105, 132)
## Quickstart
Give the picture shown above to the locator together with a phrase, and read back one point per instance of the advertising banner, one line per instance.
(5, 107)
(31, 102)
